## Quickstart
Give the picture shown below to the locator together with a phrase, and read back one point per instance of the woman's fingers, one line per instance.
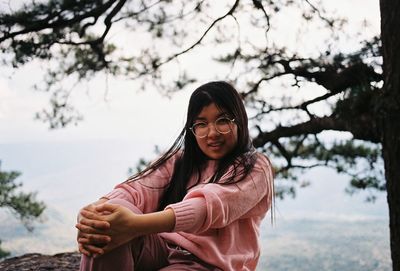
(96, 224)
(107, 207)
(91, 215)
(98, 240)
(85, 229)
(94, 220)
(90, 207)
(90, 249)
(91, 242)
(93, 250)
(92, 234)
(83, 250)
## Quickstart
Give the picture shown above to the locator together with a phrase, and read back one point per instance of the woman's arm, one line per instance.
(214, 205)
(146, 192)
(125, 225)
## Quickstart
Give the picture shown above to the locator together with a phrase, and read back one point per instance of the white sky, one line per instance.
(123, 113)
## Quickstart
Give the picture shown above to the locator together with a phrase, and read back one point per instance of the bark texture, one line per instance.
(390, 118)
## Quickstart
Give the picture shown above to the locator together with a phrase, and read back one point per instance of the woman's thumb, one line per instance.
(106, 207)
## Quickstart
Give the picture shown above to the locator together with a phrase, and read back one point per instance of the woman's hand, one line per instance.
(122, 228)
(107, 226)
(91, 231)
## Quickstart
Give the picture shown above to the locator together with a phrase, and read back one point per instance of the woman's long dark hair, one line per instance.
(192, 159)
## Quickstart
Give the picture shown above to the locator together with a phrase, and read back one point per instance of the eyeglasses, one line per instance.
(222, 125)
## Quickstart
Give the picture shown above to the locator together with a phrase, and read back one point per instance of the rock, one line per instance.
(38, 262)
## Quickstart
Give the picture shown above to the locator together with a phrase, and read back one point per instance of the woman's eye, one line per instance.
(200, 125)
(223, 121)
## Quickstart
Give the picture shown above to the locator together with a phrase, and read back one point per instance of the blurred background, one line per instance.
(75, 124)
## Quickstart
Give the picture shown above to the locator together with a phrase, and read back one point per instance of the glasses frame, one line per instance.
(215, 126)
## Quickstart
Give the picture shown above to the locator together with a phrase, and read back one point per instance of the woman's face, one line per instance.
(215, 145)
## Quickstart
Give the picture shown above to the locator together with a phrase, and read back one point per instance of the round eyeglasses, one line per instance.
(222, 125)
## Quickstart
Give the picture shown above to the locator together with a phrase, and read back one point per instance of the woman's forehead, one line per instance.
(211, 111)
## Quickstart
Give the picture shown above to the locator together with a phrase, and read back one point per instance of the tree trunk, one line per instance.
(389, 111)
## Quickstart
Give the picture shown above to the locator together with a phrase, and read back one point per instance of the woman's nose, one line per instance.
(212, 130)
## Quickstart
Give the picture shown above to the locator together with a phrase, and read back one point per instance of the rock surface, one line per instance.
(38, 262)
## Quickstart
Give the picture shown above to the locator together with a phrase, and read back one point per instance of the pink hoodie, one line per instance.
(217, 223)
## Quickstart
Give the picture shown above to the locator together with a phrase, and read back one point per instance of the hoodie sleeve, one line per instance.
(146, 192)
(216, 205)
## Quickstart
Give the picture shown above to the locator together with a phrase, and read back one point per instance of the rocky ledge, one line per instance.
(38, 262)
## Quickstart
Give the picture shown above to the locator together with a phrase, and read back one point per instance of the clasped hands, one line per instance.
(104, 227)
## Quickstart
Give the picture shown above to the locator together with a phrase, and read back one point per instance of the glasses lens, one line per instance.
(223, 125)
(200, 129)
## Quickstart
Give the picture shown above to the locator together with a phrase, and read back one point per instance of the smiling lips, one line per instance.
(215, 145)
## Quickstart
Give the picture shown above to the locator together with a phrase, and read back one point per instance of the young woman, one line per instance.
(198, 207)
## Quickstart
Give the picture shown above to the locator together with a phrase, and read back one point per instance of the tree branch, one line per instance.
(337, 81)
(259, 5)
(157, 65)
(360, 128)
(36, 26)
(329, 22)
(132, 14)
(283, 151)
(107, 20)
(287, 167)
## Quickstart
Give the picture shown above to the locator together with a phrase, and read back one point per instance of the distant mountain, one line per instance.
(314, 245)
(343, 244)
(54, 234)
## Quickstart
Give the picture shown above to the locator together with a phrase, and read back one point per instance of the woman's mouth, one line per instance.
(215, 145)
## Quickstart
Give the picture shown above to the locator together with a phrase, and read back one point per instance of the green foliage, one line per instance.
(143, 163)
(23, 205)
(140, 166)
(359, 160)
